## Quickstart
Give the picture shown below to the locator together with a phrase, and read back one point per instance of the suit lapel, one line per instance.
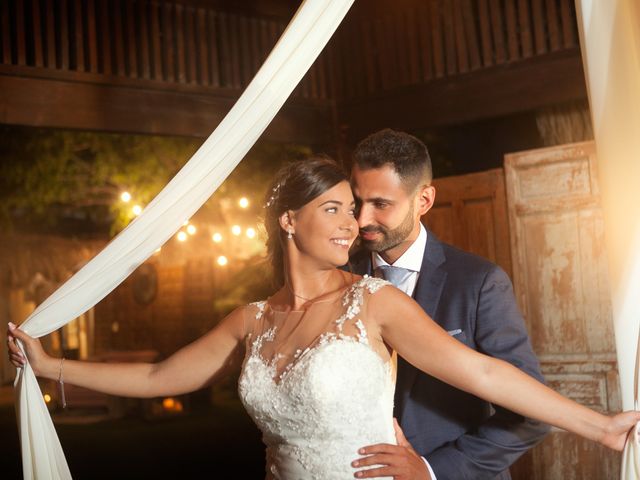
(360, 263)
(427, 293)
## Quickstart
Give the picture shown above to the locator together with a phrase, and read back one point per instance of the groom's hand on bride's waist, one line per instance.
(400, 461)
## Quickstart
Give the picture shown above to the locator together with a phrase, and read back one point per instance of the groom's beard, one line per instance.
(389, 237)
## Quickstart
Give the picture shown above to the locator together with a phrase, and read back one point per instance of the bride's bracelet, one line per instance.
(61, 382)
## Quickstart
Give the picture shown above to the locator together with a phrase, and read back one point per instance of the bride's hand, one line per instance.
(618, 429)
(36, 355)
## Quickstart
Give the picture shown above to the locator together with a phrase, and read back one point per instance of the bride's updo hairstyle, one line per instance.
(294, 186)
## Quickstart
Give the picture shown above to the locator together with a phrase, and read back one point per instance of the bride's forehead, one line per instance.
(340, 192)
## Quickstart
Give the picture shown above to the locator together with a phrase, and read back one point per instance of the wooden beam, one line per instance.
(50, 34)
(64, 34)
(105, 36)
(168, 51)
(6, 33)
(78, 35)
(491, 92)
(62, 100)
(118, 35)
(213, 49)
(132, 49)
(156, 41)
(143, 36)
(38, 60)
(526, 37)
(20, 33)
(191, 53)
(92, 36)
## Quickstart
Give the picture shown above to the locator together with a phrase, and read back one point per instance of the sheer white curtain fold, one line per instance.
(300, 44)
(610, 42)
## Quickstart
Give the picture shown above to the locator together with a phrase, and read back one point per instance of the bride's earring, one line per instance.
(290, 235)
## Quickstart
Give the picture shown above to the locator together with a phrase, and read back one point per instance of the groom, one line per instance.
(450, 434)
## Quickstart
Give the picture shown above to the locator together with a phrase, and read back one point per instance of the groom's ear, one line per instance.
(426, 197)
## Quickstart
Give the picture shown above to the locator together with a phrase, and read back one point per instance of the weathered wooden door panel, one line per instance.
(575, 459)
(470, 212)
(560, 279)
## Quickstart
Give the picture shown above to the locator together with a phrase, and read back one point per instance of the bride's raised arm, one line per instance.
(189, 369)
(418, 339)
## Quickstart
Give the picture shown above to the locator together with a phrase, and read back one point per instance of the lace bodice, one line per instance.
(319, 388)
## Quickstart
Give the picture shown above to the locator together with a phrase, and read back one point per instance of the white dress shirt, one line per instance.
(411, 260)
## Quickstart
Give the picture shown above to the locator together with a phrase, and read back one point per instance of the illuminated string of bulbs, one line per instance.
(183, 235)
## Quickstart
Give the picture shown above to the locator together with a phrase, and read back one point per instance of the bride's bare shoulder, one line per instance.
(239, 320)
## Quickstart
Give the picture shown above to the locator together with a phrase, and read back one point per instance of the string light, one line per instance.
(157, 250)
(137, 210)
(182, 236)
(186, 222)
(222, 260)
(243, 202)
(47, 398)
(216, 237)
(191, 229)
(236, 230)
(125, 197)
(251, 232)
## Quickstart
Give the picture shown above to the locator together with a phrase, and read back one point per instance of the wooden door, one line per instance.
(470, 212)
(560, 279)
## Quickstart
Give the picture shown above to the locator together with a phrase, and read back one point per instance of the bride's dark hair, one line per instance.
(294, 186)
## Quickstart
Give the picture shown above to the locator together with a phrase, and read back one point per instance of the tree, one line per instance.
(57, 179)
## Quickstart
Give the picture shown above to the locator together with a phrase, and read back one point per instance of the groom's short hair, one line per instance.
(407, 155)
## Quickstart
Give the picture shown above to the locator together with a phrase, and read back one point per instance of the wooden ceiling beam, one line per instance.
(491, 92)
(63, 103)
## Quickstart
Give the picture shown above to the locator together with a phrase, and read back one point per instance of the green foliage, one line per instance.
(48, 176)
(249, 283)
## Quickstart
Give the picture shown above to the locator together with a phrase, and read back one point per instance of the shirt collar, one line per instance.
(411, 259)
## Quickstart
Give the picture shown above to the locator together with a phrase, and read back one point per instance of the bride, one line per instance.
(318, 375)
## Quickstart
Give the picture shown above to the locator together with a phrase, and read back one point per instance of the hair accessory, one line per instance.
(61, 382)
(274, 195)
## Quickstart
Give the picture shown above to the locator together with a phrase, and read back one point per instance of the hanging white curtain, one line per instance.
(300, 44)
(610, 41)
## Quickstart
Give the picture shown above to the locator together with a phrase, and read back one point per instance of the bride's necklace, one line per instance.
(300, 296)
(305, 298)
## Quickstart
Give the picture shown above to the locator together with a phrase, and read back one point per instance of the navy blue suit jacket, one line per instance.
(460, 435)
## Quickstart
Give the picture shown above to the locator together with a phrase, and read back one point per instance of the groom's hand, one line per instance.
(398, 461)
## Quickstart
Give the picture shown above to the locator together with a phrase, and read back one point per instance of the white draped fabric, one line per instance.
(610, 40)
(303, 40)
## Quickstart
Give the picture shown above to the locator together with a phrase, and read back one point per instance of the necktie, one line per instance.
(395, 275)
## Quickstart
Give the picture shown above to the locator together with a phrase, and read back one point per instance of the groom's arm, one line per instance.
(505, 436)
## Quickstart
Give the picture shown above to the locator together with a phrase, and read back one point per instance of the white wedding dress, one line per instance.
(317, 385)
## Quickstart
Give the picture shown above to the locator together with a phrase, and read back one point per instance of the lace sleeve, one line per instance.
(252, 315)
